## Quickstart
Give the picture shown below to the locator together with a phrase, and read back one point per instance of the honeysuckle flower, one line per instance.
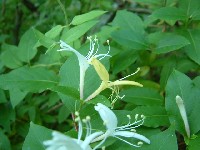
(110, 121)
(182, 110)
(84, 61)
(104, 76)
(63, 142)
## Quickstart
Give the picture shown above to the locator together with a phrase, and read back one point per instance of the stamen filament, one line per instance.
(138, 69)
(126, 141)
(128, 125)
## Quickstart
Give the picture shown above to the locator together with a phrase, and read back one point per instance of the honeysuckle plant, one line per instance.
(183, 114)
(110, 121)
(104, 76)
(63, 142)
(84, 61)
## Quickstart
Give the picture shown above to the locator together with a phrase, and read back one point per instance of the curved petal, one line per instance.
(132, 134)
(61, 141)
(89, 139)
(100, 69)
(125, 82)
(107, 115)
(83, 64)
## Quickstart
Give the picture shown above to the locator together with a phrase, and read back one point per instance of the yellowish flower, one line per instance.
(104, 76)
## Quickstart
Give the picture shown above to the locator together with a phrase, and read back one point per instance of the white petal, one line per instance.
(61, 142)
(88, 140)
(83, 64)
(132, 134)
(107, 116)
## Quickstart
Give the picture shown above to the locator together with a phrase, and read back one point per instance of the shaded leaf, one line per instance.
(7, 117)
(28, 79)
(165, 140)
(9, 56)
(142, 96)
(2, 96)
(4, 142)
(121, 64)
(68, 91)
(155, 116)
(77, 31)
(129, 21)
(169, 13)
(36, 136)
(26, 46)
(130, 39)
(79, 19)
(16, 96)
(194, 143)
(171, 42)
(193, 50)
(180, 84)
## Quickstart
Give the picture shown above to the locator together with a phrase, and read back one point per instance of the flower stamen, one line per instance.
(138, 69)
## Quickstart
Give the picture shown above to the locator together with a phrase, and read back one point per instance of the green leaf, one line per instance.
(68, 91)
(2, 96)
(155, 116)
(55, 32)
(27, 51)
(16, 96)
(36, 136)
(130, 39)
(142, 96)
(169, 13)
(69, 77)
(9, 56)
(76, 32)
(165, 140)
(42, 39)
(180, 84)
(87, 17)
(63, 114)
(191, 8)
(128, 21)
(4, 142)
(193, 50)
(100, 99)
(194, 144)
(171, 42)
(7, 117)
(28, 79)
(166, 71)
(197, 81)
(120, 63)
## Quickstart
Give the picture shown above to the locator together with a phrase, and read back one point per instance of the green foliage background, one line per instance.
(39, 85)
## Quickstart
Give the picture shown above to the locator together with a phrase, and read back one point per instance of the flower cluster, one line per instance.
(110, 121)
(63, 142)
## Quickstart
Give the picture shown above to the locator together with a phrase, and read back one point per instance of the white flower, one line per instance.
(182, 110)
(110, 121)
(63, 142)
(84, 61)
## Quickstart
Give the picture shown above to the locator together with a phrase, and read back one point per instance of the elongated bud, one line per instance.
(182, 110)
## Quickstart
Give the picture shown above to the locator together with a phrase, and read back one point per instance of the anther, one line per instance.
(88, 118)
(129, 117)
(142, 116)
(77, 113)
(136, 116)
(140, 143)
(133, 130)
